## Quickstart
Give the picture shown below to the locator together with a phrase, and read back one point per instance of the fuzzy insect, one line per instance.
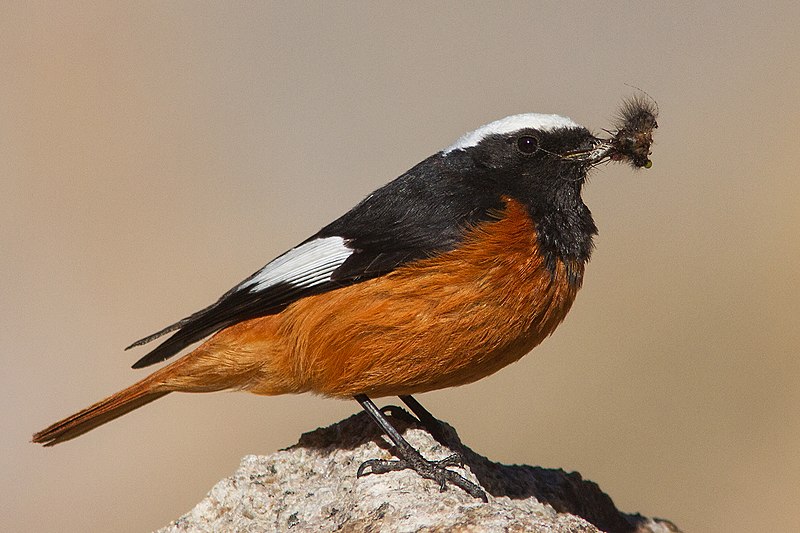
(630, 139)
(633, 134)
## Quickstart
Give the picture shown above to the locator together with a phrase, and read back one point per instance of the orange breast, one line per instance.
(439, 322)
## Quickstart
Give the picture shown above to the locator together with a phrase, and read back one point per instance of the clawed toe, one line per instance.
(381, 466)
(434, 470)
(408, 456)
(452, 460)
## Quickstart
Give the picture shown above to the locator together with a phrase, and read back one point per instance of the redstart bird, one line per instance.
(447, 274)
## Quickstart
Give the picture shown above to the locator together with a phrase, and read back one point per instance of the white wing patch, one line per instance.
(511, 124)
(308, 265)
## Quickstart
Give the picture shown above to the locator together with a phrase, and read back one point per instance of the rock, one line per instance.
(312, 486)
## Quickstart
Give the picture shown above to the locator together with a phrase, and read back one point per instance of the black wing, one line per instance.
(303, 270)
(420, 214)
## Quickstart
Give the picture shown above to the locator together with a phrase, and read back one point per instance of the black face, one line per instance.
(530, 151)
(530, 166)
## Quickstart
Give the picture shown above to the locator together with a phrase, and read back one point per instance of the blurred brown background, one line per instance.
(153, 155)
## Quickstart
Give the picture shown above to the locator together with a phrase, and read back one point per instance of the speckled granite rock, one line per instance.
(312, 487)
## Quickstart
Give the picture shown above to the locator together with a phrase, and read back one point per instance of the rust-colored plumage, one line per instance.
(437, 322)
(453, 270)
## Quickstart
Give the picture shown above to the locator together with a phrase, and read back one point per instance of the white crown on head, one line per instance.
(511, 124)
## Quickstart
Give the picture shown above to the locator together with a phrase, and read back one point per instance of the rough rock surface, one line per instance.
(312, 486)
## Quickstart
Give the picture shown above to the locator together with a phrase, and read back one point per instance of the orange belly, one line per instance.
(439, 322)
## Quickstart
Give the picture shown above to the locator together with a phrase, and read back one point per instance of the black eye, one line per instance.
(527, 144)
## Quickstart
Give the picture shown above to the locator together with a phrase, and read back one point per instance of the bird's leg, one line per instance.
(409, 457)
(423, 416)
(431, 423)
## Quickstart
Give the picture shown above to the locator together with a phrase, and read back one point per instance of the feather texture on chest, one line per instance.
(467, 313)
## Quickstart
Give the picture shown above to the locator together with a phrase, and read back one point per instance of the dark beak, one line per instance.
(592, 151)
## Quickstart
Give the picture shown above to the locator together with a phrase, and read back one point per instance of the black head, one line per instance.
(532, 158)
(528, 156)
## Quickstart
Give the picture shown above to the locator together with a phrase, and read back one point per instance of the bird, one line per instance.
(443, 276)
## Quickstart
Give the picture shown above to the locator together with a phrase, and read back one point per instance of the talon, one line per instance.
(433, 470)
(452, 460)
(366, 464)
(409, 457)
(380, 466)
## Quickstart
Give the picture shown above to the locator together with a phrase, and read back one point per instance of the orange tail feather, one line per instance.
(114, 406)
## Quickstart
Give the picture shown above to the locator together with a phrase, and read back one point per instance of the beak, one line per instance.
(593, 151)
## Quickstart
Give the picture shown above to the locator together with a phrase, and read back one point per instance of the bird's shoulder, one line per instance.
(424, 212)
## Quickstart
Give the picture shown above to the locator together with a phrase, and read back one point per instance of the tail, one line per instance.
(114, 406)
(223, 362)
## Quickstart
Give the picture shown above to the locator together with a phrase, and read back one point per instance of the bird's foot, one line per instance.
(435, 470)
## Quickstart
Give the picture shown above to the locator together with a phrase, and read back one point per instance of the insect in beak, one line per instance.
(597, 151)
(630, 140)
